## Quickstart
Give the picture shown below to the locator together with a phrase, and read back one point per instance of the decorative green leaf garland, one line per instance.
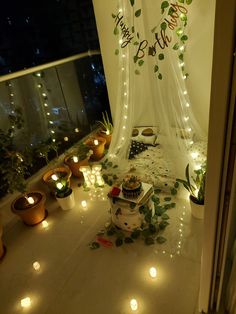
(174, 18)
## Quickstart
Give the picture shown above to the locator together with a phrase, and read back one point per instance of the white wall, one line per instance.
(198, 57)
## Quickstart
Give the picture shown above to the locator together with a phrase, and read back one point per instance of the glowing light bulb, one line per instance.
(187, 105)
(84, 204)
(125, 117)
(48, 113)
(124, 127)
(59, 185)
(186, 118)
(30, 200)
(123, 56)
(51, 122)
(189, 129)
(54, 177)
(107, 132)
(26, 302)
(181, 48)
(11, 94)
(123, 138)
(185, 92)
(66, 139)
(75, 159)
(181, 64)
(126, 106)
(197, 167)
(120, 41)
(36, 266)
(194, 155)
(184, 77)
(45, 224)
(133, 304)
(191, 142)
(76, 130)
(123, 69)
(125, 94)
(179, 32)
(96, 142)
(52, 131)
(44, 94)
(38, 74)
(39, 85)
(54, 140)
(153, 272)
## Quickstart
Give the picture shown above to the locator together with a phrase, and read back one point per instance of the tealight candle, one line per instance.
(36, 266)
(133, 304)
(54, 177)
(26, 302)
(153, 272)
(75, 159)
(59, 185)
(30, 200)
(95, 142)
(45, 224)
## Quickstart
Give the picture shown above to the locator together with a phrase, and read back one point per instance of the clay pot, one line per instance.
(74, 166)
(2, 251)
(103, 134)
(62, 172)
(31, 214)
(98, 150)
(197, 210)
(67, 202)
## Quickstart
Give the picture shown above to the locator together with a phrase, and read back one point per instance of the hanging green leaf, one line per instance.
(164, 5)
(160, 76)
(172, 205)
(167, 199)
(181, 57)
(184, 37)
(137, 72)
(173, 191)
(183, 17)
(135, 59)
(141, 62)
(181, 1)
(163, 26)
(171, 11)
(165, 216)
(176, 185)
(160, 240)
(138, 35)
(113, 15)
(161, 56)
(157, 191)
(155, 199)
(116, 52)
(163, 224)
(138, 13)
(136, 43)
(189, 1)
(132, 2)
(135, 234)
(176, 46)
(116, 31)
(152, 228)
(132, 29)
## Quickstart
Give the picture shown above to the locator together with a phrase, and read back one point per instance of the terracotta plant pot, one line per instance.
(74, 166)
(2, 250)
(98, 150)
(67, 202)
(197, 210)
(103, 134)
(62, 172)
(31, 214)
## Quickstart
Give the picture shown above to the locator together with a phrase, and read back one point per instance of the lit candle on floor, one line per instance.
(133, 304)
(36, 266)
(96, 142)
(45, 224)
(153, 272)
(26, 302)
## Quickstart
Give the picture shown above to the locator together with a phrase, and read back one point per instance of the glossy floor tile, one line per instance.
(75, 279)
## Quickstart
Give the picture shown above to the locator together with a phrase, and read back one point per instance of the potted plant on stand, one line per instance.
(196, 190)
(78, 159)
(106, 129)
(64, 195)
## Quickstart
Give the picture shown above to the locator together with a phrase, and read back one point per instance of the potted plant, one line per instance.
(97, 145)
(78, 159)
(51, 176)
(196, 190)
(106, 128)
(64, 195)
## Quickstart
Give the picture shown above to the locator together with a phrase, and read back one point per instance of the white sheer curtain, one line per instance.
(167, 100)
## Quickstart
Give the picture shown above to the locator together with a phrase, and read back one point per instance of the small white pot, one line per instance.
(196, 210)
(67, 202)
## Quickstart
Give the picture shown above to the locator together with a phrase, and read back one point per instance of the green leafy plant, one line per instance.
(106, 124)
(83, 151)
(62, 188)
(195, 185)
(44, 148)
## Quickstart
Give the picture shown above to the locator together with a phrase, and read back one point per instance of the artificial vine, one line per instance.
(173, 21)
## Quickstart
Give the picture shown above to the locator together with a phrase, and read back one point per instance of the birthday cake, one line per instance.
(131, 186)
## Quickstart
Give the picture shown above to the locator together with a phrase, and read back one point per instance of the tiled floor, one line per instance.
(75, 279)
